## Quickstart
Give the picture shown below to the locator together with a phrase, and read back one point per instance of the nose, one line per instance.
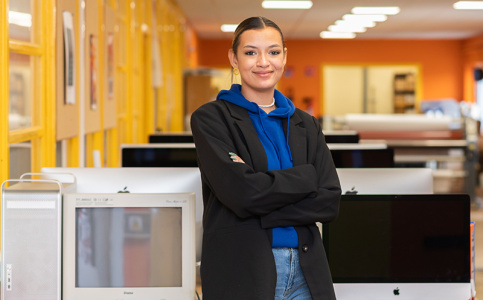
(263, 61)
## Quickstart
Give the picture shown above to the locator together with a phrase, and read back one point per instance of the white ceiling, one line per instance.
(418, 19)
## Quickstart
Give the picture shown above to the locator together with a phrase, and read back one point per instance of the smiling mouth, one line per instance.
(263, 74)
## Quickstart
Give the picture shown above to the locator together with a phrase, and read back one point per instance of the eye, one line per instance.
(274, 52)
(250, 52)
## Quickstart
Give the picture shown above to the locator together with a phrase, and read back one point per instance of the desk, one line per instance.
(454, 161)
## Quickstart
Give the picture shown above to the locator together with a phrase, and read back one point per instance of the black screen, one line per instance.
(342, 138)
(159, 157)
(171, 138)
(405, 239)
(363, 158)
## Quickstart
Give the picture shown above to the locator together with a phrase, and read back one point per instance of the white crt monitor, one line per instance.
(128, 246)
(386, 180)
(137, 180)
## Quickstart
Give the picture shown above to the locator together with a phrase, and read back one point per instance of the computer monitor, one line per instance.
(400, 246)
(137, 180)
(386, 180)
(348, 155)
(341, 136)
(164, 155)
(171, 137)
(398, 122)
(128, 246)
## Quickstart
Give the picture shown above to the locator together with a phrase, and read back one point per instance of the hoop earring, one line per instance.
(236, 71)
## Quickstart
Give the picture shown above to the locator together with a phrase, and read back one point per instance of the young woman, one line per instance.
(267, 177)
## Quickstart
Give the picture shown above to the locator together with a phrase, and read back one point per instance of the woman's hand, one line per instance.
(236, 158)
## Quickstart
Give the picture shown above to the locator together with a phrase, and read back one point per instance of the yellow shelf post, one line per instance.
(4, 94)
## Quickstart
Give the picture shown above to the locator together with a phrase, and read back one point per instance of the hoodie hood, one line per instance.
(268, 126)
(285, 107)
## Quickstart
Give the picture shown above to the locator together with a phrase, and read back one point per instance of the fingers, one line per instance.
(235, 158)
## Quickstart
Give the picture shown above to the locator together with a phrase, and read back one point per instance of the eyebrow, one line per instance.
(254, 47)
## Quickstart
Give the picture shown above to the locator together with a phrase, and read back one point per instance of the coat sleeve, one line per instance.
(241, 189)
(320, 207)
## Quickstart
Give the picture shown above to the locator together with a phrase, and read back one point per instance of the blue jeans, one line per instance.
(291, 284)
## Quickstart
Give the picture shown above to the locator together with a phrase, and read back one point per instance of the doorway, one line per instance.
(369, 89)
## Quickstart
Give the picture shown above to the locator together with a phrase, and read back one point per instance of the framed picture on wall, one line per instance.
(110, 65)
(93, 70)
(69, 58)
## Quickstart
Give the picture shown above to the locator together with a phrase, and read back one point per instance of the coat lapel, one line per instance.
(297, 139)
(255, 148)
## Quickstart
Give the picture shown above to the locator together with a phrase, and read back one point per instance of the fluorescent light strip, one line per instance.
(20, 18)
(337, 35)
(229, 27)
(375, 10)
(362, 17)
(373, 18)
(468, 5)
(286, 4)
(347, 28)
(358, 23)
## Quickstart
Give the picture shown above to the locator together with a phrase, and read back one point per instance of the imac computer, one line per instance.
(351, 155)
(386, 180)
(128, 246)
(136, 180)
(159, 155)
(402, 247)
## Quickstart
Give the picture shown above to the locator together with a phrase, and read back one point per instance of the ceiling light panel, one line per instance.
(361, 23)
(229, 27)
(376, 10)
(362, 17)
(337, 35)
(287, 4)
(346, 28)
(468, 5)
(357, 18)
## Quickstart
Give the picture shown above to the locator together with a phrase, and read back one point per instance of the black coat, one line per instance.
(242, 202)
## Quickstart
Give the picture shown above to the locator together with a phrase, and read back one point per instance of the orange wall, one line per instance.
(192, 44)
(441, 62)
(473, 58)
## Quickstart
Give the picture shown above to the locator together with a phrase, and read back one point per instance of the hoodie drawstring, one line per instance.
(288, 147)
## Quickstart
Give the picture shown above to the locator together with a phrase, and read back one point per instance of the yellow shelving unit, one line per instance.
(138, 106)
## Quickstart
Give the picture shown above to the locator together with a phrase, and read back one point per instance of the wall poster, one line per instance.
(69, 60)
(110, 65)
(93, 70)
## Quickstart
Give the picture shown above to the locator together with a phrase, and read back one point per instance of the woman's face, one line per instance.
(260, 58)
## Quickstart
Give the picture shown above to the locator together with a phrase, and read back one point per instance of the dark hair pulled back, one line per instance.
(253, 23)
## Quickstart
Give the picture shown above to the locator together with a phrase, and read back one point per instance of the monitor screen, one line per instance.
(138, 237)
(164, 155)
(129, 244)
(397, 240)
(341, 136)
(171, 137)
(361, 156)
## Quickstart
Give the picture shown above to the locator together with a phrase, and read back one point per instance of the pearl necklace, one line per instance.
(269, 105)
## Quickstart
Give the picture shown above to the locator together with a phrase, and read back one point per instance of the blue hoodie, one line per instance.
(271, 134)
